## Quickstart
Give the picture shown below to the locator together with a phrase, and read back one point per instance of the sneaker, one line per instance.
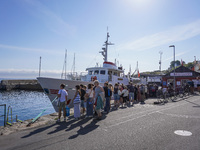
(58, 120)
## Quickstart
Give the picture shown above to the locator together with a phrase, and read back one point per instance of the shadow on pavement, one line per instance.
(88, 128)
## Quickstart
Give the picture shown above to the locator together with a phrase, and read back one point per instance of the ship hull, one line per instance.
(51, 87)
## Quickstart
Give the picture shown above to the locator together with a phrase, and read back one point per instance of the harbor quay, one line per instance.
(174, 125)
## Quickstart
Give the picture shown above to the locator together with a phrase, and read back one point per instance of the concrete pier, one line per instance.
(20, 85)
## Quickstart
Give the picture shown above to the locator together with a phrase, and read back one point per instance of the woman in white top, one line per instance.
(89, 96)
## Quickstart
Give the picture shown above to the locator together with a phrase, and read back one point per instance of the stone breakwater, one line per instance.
(20, 85)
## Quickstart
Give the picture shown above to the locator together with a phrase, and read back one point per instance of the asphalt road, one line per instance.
(142, 127)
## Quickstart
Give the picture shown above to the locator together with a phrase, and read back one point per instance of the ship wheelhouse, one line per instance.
(108, 73)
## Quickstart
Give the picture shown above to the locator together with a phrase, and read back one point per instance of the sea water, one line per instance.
(25, 104)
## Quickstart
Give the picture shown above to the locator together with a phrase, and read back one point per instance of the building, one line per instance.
(182, 75)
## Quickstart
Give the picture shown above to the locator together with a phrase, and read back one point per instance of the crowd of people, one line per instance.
(92, 100)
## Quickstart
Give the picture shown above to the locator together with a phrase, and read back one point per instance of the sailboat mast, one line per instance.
(65, 64)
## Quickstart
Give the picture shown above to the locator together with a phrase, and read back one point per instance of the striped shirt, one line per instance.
(77, 99)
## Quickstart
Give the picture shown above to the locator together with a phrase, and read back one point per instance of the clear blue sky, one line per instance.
(139, 28)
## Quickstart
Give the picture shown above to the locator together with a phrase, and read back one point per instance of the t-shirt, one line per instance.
(131, 89)
(89, 91)
(82, 94)
(63, 93)
(115, 90)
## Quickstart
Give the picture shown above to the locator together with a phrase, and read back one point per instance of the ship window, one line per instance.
(102, 72)
(90, 72)
(96, 72)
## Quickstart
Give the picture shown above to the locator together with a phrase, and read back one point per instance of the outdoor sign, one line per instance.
(182, 74)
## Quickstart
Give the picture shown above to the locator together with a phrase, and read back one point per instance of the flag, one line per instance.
(138, 74)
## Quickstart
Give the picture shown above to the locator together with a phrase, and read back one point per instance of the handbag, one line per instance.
(58, 102)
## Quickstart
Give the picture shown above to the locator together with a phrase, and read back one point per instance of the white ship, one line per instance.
(109, 72)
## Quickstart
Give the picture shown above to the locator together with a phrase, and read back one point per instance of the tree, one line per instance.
(177, 63)
(189, 65)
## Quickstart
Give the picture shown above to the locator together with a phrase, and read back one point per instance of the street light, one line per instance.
(174, 68)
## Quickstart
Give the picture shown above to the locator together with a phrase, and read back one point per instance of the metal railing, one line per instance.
(9, 110)
(4, 114)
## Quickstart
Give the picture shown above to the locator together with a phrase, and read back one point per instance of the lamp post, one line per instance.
(174, 69)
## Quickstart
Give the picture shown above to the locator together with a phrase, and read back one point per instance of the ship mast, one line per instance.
(105, 48)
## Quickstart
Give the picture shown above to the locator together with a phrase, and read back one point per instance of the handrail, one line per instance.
(4, 114)
(9, 108)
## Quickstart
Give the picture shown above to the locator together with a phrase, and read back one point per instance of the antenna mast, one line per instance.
(105, 49)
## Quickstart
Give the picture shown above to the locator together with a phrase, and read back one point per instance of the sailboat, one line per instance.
(110, 73)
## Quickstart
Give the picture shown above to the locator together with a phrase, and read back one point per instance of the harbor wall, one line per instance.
(20, 85)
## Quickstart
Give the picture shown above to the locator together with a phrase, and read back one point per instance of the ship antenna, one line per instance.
(105, 48)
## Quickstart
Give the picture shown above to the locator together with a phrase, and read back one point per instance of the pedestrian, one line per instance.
(107, 97)
(62, 95)
(131, 90)
(125, 96)
(99, 98)
(89, 96)
(110, 89)
(120, 95)
(142, 92)
(83, 101)
(138, 93)
(146, 92)
(77, 101)
(116, 96)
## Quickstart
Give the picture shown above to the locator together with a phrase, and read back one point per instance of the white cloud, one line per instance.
(175, 34)
(176, 55)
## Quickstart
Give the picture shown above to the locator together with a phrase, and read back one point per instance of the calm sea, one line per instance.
(25, 104)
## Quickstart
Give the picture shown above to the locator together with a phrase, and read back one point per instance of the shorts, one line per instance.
(116, 97)
(131, 96)
(83, 104)
(62, 105)
(125, 99)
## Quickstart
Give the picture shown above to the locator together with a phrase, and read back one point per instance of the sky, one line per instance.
(138, 28)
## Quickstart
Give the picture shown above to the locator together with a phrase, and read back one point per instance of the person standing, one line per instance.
(107, 96)
(62, 95)
(142, 92)
(83, 101)
(136, 93)
(99, 97)
(125, 96)
(116, 96)
(77, 101)
(89, 96)
(131, 90)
